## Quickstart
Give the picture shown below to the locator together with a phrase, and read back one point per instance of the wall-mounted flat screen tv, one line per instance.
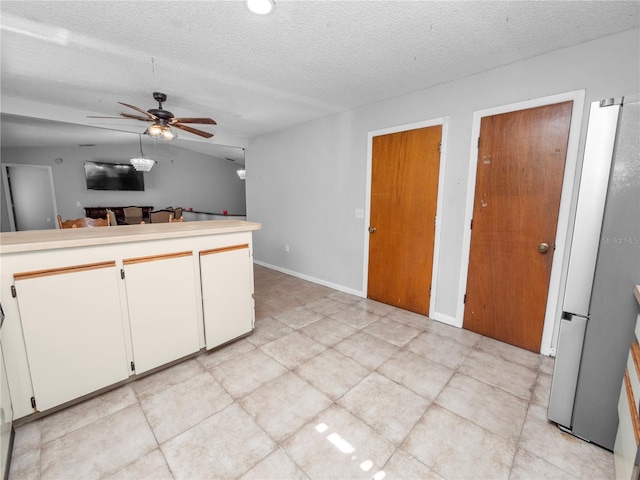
(112, 176)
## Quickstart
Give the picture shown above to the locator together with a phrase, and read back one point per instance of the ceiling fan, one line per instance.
(163, 120)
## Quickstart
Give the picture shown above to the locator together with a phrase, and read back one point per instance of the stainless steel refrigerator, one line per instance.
(599, 308)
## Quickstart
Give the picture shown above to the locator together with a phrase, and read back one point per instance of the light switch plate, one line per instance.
(359, 213)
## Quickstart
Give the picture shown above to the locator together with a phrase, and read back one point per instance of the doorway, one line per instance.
(29, 197)
(405, 171)
(519, 180)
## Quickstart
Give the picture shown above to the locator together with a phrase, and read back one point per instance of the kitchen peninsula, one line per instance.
(88, 309)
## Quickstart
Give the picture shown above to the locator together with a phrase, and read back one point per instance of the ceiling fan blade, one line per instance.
(139, 110)
(136, 117)
(208, 121)
(192, 130)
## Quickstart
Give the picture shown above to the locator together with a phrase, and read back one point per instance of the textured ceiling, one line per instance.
(259, 74)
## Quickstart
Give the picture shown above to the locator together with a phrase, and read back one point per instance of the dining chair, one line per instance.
(160, 216)
(178, 213)
(83, 222)
(132, 212)
(111, 215)
(176, 220)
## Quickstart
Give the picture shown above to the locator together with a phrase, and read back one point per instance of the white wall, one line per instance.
(181, 178)
(304, 183)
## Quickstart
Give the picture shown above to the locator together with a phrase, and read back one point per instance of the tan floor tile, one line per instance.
(417, 373)
(547, 364)
(75, 417)
(355, 317)
(457, 448)
(389, 408)
(155, 383)
(25, 466)
(337, 445)
(267, 330)
(510, 377)
(100, 448)
(227, 352)
(332, 373)
(298, 317)
(28, 437)
(344, 297)
(372, 306)
(412, 319)
(264, 310)
(402, 466)
(509, 352)
(391, 331)
(460, 335)
(546, 441)
(326, 306)
(493, 409)
(442, 350)
(366, 349)
(328, 331)
(283, 405)
(246, 372)
(293, 349)
(527, 466)
(152, 466)
(173, 411)
(277, 466)
(542, 389)
(223, 446)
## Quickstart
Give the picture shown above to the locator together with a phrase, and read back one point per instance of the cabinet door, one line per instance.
(227, 293)
(6, 417)
(73, 331)
(161, 296)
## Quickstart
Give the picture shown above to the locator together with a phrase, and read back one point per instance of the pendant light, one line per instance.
(142, 163)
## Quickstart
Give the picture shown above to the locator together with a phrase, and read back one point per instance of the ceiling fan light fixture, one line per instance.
(261, 7)
(161, 131)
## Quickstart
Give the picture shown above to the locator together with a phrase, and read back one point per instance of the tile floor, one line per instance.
(328, 386)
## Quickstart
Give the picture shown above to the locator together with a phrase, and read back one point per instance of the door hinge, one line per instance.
(440, 147)
(122, 273)
(429, 289)
(471, 225)
(478, 143)
(133, 367)
(33, 403)
(14, 294)
(465, 298)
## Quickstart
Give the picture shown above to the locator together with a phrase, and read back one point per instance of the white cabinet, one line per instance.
(73, 330)
(227, 293)
(161, 298)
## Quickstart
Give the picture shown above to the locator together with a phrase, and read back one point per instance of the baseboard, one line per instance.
(302, 276)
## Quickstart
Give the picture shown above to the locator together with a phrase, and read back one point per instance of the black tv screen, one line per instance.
(112, 176)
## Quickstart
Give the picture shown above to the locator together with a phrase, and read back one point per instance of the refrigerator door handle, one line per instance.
(565, 371)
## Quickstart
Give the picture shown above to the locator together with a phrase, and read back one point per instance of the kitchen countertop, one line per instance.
(33, 240)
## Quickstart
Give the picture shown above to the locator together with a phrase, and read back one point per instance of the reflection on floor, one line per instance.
(328, 386)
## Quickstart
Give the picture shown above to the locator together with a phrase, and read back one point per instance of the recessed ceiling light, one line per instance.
(261, 7)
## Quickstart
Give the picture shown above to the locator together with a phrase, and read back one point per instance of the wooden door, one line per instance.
(404, 190)
(521, 160)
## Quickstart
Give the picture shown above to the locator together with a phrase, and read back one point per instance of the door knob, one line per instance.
(543, 247)
(372, 229)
